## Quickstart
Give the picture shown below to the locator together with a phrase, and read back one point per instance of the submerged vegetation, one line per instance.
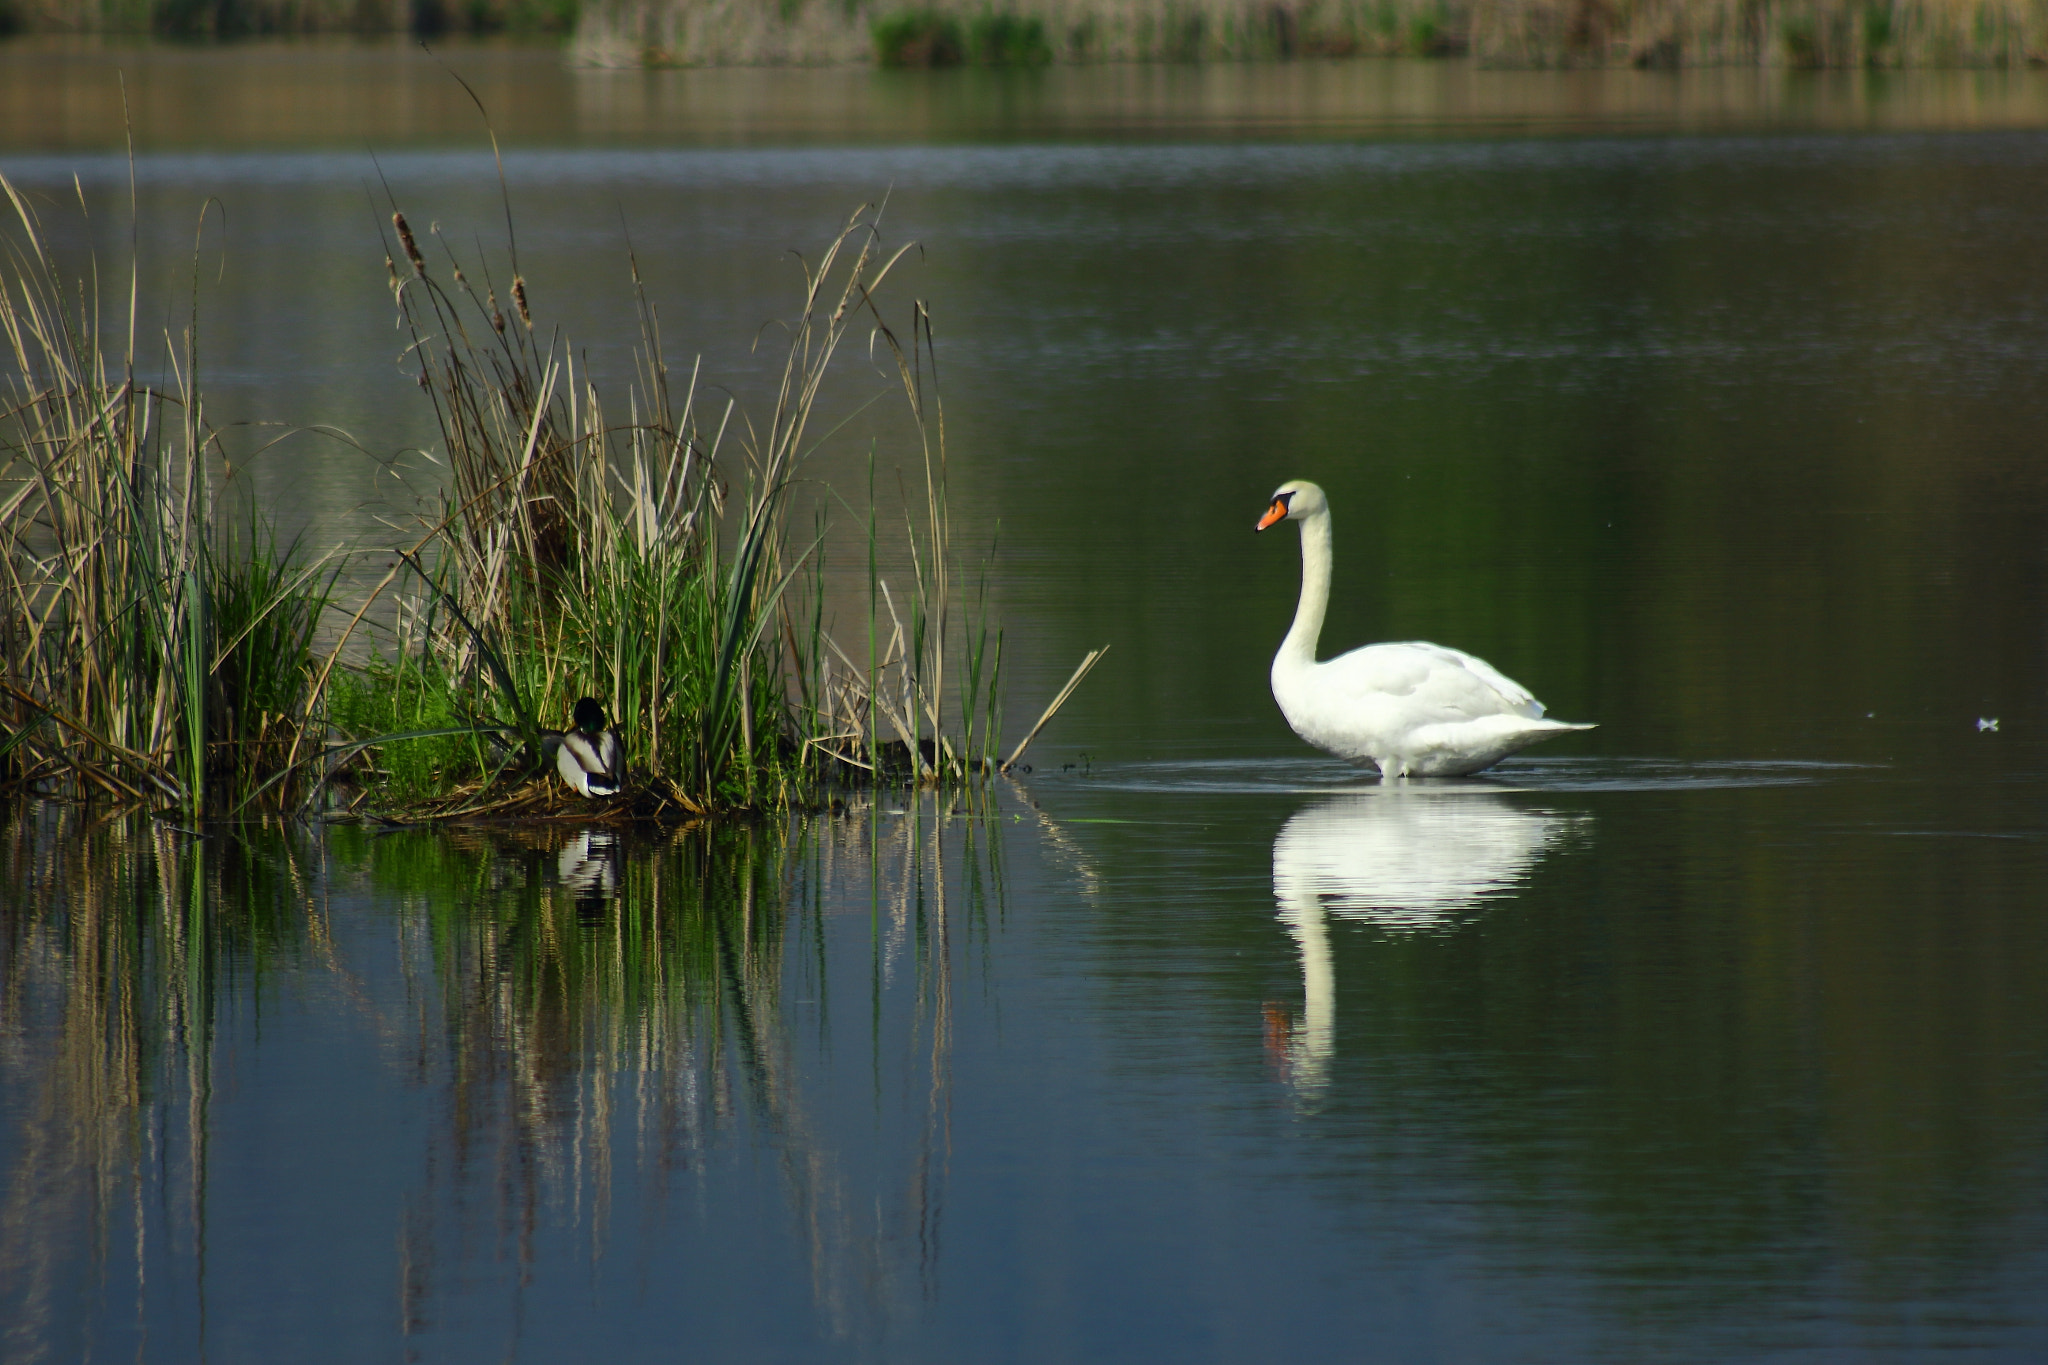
(161, 652)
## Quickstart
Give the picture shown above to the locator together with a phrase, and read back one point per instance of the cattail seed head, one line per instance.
(458, 274)
(519, 300)
(497, 318)
(412, 248)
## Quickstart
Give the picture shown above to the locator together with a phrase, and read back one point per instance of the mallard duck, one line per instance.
(586, 755)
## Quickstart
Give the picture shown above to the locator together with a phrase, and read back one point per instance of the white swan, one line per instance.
(1414, 709)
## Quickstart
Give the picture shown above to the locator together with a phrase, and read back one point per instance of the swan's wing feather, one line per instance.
(1437, 680)
(1517, 697)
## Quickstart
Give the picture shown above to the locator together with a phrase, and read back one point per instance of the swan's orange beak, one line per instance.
(1277, 512)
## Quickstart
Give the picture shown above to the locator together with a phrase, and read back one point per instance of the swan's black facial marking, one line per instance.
(1277, 513)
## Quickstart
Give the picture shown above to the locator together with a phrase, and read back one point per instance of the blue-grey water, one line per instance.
(1717, 1033)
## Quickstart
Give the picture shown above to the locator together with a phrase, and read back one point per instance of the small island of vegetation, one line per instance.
(161, 651)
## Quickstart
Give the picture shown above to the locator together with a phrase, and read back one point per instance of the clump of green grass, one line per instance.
(264, 605)
(410, 694)
(928, 37)
(918, 38)
(1007, 39)
(1801, 37)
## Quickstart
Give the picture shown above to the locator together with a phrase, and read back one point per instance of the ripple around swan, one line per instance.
(1297, 776)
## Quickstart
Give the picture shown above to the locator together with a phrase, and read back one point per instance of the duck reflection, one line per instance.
(1408, 860)
(588, 868)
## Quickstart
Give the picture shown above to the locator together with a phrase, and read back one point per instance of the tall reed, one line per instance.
(149, 655)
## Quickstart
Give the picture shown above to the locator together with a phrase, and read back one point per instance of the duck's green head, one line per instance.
(589, 715)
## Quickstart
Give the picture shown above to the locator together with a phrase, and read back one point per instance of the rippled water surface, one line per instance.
(1719, 1032)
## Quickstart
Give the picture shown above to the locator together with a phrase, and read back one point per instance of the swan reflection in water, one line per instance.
(1407, 860)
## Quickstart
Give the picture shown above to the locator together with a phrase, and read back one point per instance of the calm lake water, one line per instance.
(1711, 407)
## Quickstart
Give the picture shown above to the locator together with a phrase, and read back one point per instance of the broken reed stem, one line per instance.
(1057, 702)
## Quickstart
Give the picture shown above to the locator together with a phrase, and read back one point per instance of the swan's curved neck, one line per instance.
(1300, 645)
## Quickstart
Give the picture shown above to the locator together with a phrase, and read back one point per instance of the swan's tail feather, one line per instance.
(1530, 731)
(1464, 747)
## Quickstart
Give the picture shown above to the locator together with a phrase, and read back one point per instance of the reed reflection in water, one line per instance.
(1406, 859)
(485, 1056)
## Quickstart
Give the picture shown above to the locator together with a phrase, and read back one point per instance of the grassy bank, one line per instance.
(1646, 33)
(1795, 33)
(1502, 32)
(956, 32)
(162, 646)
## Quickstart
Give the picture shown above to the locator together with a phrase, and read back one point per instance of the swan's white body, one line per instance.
(1413, 709)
